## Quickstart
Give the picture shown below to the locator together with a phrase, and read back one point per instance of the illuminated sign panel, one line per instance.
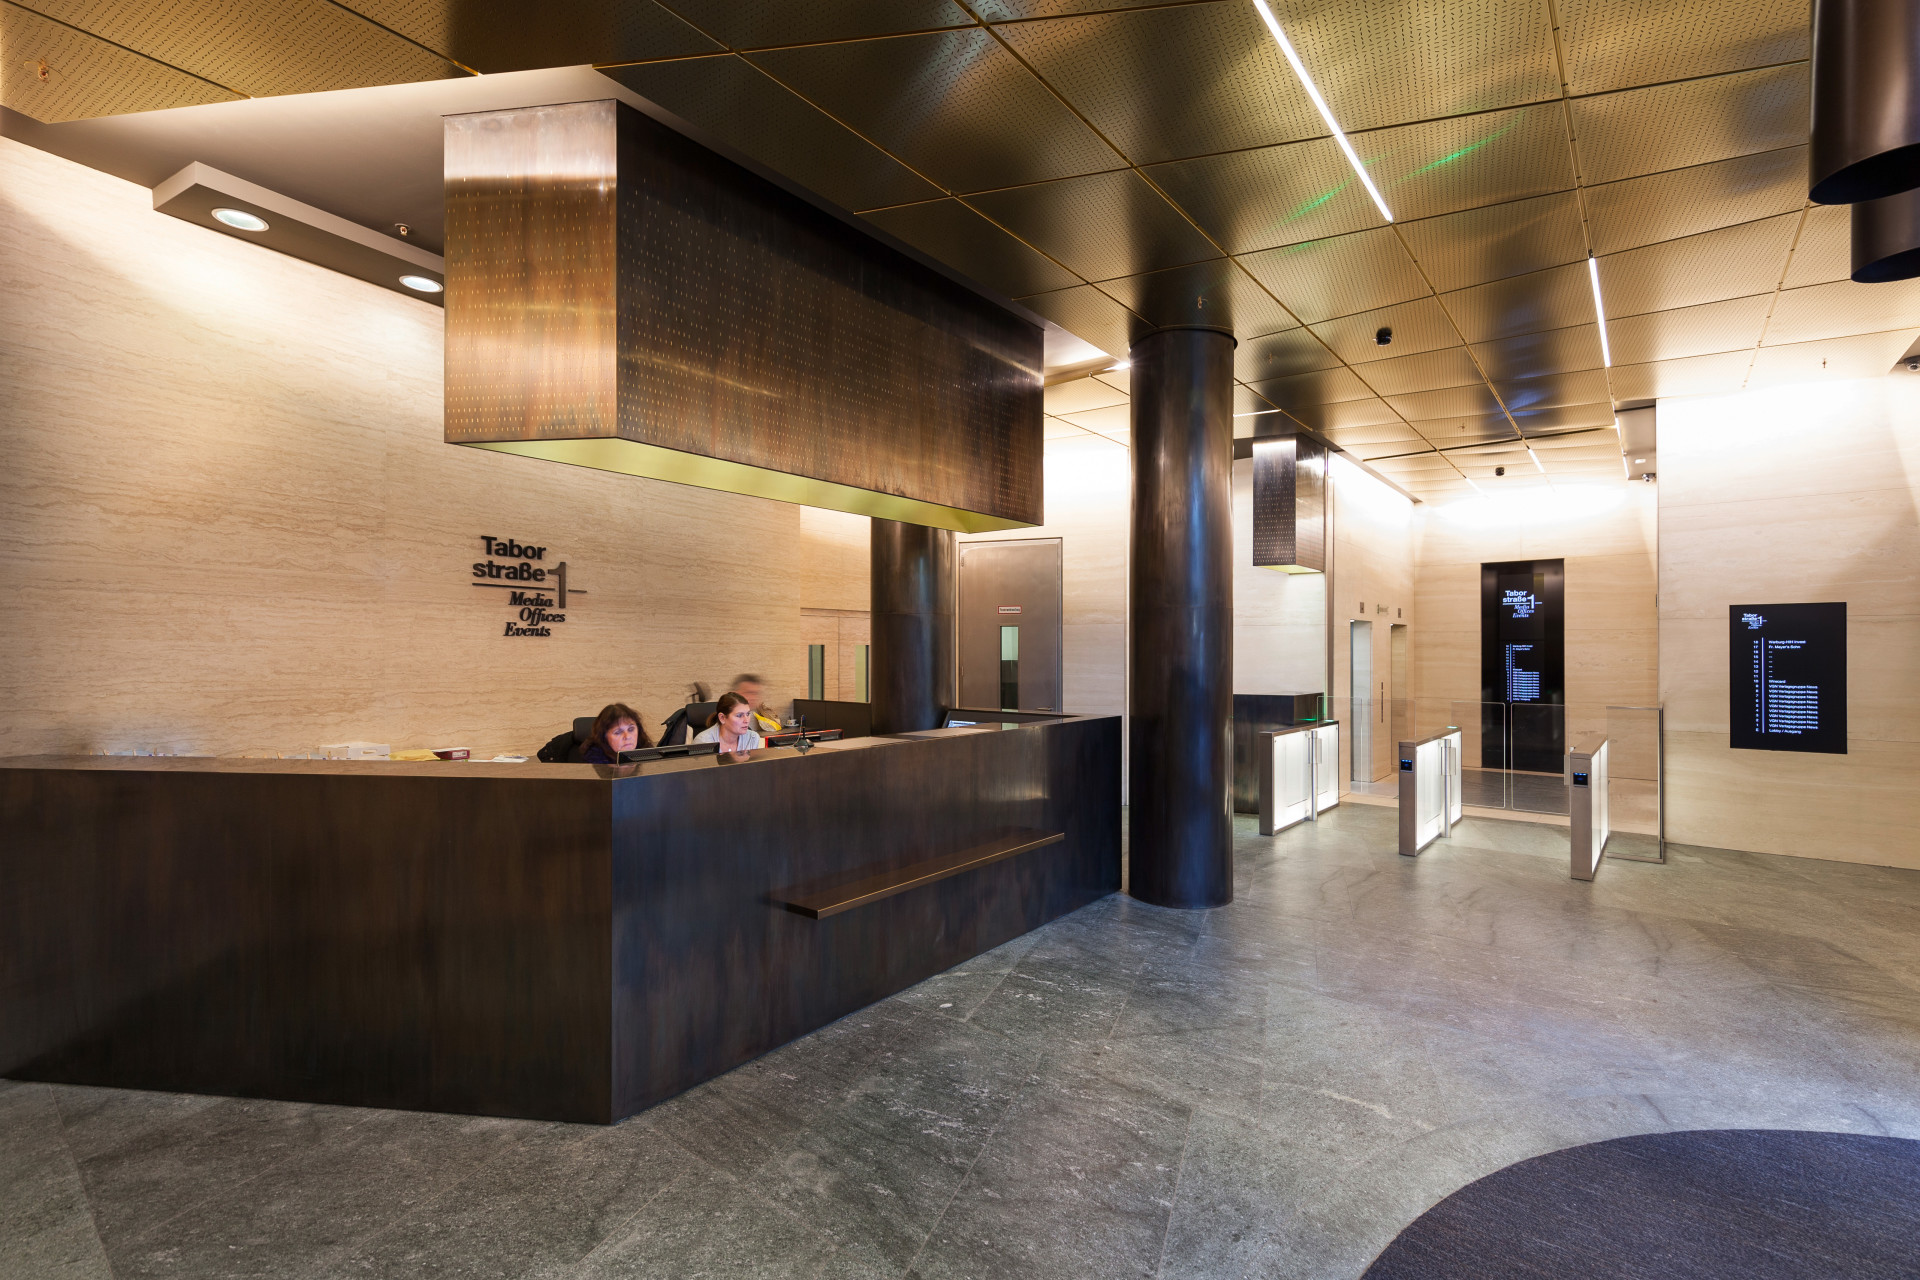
(1788, 669)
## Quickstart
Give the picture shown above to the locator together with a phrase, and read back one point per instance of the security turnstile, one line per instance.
(1299, 771)
(1429, 790)
(1587, 804)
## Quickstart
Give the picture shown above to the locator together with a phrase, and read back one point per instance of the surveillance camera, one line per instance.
(1913, 364)
(1499, 471)
(1383, 336)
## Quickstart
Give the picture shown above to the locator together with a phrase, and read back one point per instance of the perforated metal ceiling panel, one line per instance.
(1417, 326)
(1326, 386)
(1612, 44)
(753, 24)
(1101, 226)
(1427, 371)
(1533, 355)
(1249, 200)
(1217, 293)
(1339, 276)
(954, 234)
(1529, 396)
(1280, 355)
(1081, 395)
(1087, 313)
(1551, 299)
(1730, 325)
(1825, 251)
(86, 76)
(1474, 401)
(495, 35)
(1695, 376)
(1685, 202)
(1442, 166)
(1463, 249)
(1732, 262)
(1857, 356)
(1343, 413)
(1624, 135)
(1843, 307)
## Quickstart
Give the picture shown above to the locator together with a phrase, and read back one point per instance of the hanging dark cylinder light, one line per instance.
(1886, 238)
(1866, 100)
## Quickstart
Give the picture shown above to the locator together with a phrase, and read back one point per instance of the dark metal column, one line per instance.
(1180, 658)
(911, 672)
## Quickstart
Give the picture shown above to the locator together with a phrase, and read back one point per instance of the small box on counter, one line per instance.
(358, 751)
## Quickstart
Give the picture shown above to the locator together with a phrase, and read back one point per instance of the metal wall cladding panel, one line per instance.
(1325, 386)
(1100, 226)
(1088, 314)
(1841, 308)
(1164, 83)
(1321, 279)
(1825, 251)
(1552, 299)
(950, 232)
(1534, 422)
(751, 24)
(1345, 413)
(1216, 293)
(1720, 374)
(955, 105)
(1535, 355)
(1673, 126)
(1731, 325)
(87, 77)
(1290, 503)
(1443, 166)
(508, 35)
(1733, 262)
(1248, 200)
(258, 49)
(1080, 395)
(1867, 355)
(590, 248)
(1450, 402)
(738, 105)
(1685, 202)
(1427, 371)
(1280, 355)
(1420, 325)
(1463, 249)
(1529, 395)
(1612, 44)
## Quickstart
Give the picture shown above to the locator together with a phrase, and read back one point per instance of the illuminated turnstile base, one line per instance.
(1587, 807)
(1299, 773)
(1429, 790)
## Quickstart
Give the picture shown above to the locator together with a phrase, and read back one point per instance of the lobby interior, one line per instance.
(1436, 298)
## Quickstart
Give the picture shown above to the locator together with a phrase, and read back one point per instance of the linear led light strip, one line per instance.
(1320, 104)
(1599, 310)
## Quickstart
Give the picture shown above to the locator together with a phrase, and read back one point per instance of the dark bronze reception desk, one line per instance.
(566, 942)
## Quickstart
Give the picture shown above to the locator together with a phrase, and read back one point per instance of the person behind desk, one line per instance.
(615, 729)
(732, 726)
(754, 690)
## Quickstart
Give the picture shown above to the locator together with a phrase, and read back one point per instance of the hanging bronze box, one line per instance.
(620, 297)
(1290, 504)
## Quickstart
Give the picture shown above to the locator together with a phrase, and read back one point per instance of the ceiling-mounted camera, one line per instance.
(1499, 471)
(1383, 335)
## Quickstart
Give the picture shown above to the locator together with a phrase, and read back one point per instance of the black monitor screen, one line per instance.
(1788, 664)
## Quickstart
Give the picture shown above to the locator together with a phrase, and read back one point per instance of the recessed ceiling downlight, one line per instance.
(240, 219)
(422, 284)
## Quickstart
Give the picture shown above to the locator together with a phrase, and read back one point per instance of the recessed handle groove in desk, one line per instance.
(819, 904)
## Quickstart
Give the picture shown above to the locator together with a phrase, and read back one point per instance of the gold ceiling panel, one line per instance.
(1013, 10)
(743, 108)
(1733, 262)
(1867, 355)
(1246, 400)
(1321, 279)
(955, 105)
(1428, 371)
(1420, 325)
(1324, 386)
(1120, 380)
(1612, 44)
(1825, 251)
(1843, 307)
(1510, 239)
(954, 234)
(1712, 375)
(1550, 299)
(1251, 200)
(1443, 166)
(260, 50)
(496, 35)
(1624, 135)
(1100, 226)
(1472, 401)
(1345, 413)
(1163, 83)
(1052, 428)
(753, 24)
(1417, 466)
(1526, 397)
(1578, 446)
(1730, 325)
(1535, 355)
(1089, 314)
(1685, 202)
(86, 76)
(1279, 355)
(1081, 395)
(1205, 293)
(1118, 417)
(1464, 429)
(1564, 418)
(1384, 441)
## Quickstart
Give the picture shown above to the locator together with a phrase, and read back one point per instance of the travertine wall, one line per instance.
(1794, 494)
(232, 524)
(1372, 581)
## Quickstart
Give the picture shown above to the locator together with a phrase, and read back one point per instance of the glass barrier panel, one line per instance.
(1485, 760)
(1537, 749)
(1635, 784)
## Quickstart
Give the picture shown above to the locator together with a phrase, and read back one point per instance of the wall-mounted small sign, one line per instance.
(1009, 608)
(536, 592)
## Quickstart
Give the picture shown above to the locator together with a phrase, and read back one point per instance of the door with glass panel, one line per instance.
(1010, 625)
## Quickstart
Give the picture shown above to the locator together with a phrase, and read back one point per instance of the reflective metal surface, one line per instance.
(619, 297)
(1180, 657)
(1866, 100)
(1886, 238)
(913, 577)
(1290, 505)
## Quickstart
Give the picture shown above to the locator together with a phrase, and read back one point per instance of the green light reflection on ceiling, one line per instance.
(1462, 153)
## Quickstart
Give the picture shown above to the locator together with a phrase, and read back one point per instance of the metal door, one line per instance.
(1010, 625)
(1360, 650)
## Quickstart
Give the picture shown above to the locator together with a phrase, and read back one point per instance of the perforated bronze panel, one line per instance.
(618, 297)
(1685, 202)
(1843, 307)
(1290, 505)
(1443, 166)
(1087, 313)
(1248, 200)
(1866, 355)
(1279, 355)
(1730, 325)
(1472, 401)
(1325, 386)
(1623, 135)
(1528, 396)
(1346, 413)
(1732, 262)
(1510, 239)
(1532, 355)
(1825, 251)
(1551, 299)
(1428, 371)
(1695, 376)
(1101, 226)
(510, 35)
(1216, 293)
(1417, 326)
(1612, 44)
(86, 76)
(752, 24)
(1322, 279)
(950, 232)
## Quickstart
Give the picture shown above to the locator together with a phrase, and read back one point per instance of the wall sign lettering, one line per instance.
(1788, 664)
(537, 591)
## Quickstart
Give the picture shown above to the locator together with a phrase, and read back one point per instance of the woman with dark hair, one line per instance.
(732, 726)
(617, 728)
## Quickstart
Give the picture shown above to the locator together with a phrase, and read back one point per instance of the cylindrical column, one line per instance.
(1180, 678)
(1866, 100)
(1886, 238)
(910, 670)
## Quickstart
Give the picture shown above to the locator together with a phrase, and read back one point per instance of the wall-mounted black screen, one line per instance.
(1523, 665)
(1788, 664)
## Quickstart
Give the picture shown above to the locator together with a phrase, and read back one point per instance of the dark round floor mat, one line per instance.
(1724, 1204)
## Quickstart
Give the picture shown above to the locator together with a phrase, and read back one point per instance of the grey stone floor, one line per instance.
(1271, 1089)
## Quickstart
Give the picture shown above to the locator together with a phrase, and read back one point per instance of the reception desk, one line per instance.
(567, 942)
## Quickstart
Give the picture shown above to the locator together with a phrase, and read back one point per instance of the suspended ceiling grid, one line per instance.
(1117, 166)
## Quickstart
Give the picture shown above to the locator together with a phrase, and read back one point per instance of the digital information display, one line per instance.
(1788, 664)
(1523, 665)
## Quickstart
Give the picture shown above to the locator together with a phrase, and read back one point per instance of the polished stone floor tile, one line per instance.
(1268, 1089)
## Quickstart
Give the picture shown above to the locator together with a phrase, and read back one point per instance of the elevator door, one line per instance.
(1010, 625)
(1364, 713)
